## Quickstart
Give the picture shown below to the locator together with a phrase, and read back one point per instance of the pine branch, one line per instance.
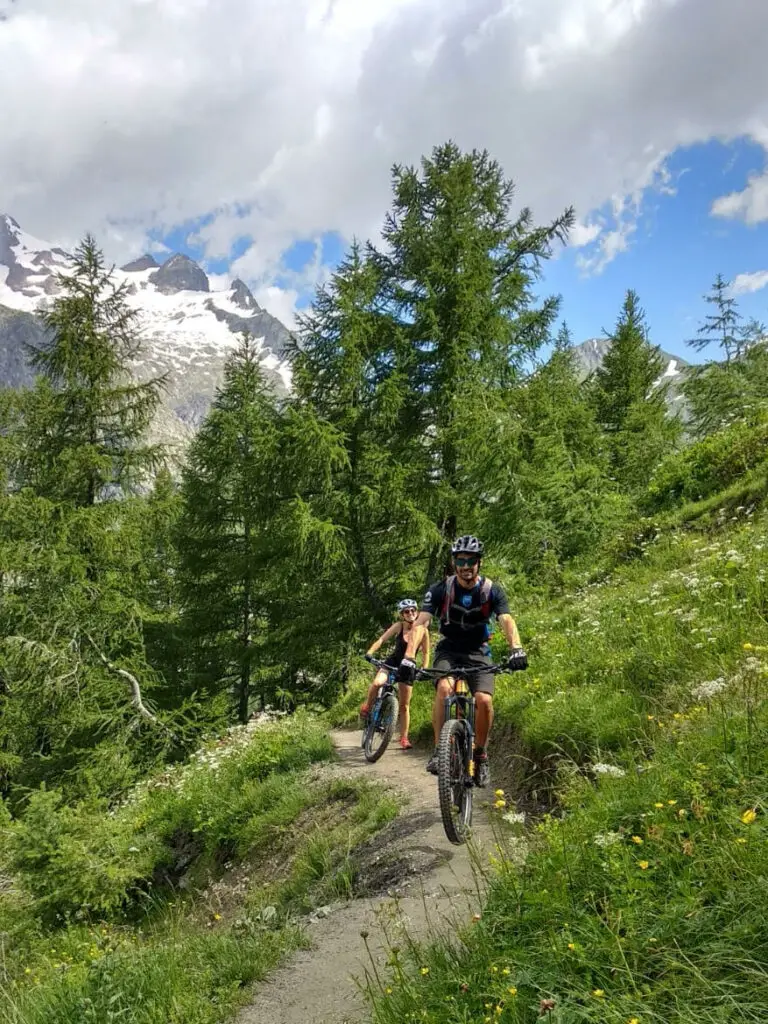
(133, 683)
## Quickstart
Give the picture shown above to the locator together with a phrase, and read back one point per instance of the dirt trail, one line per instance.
(428, 881)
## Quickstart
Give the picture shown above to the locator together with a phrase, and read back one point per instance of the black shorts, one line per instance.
(395, 666)
(448, 660)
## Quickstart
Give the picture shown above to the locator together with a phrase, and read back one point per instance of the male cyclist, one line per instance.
(466, 603)
(410, 638)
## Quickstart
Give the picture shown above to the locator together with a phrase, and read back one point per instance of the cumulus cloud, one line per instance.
(280, 119)
(750, 205)
(755, 281)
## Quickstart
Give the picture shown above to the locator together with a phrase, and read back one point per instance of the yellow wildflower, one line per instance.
(637, 840)
(424, 971)
(741, 840)
(512, 991)
(505, 971)
(217, 917)
(643, 865)
(671, 803)
(658, 806)
(749, 816)
(499, 792)
(633, 1020)
(598, 993)
(748, 647)
(389, 991)
(500, 804)
(571, 945)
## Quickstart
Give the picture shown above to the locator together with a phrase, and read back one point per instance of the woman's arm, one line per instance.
(393, 630)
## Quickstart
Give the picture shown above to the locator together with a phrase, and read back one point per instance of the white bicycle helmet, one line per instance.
(467, 545)
(406, 604)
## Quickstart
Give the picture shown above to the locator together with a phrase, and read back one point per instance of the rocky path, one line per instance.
(428, 881)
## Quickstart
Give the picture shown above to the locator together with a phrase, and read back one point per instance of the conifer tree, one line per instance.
(227, 535)
(557, 501)
(87, 418)
(723, 392)
(630, 400)
(351, 372)
(724, 326)
(459, 270)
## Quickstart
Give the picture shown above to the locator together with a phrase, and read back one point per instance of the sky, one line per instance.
(258, 135)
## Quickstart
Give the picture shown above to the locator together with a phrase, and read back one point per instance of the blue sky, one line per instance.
(674, 254)
(674, 250)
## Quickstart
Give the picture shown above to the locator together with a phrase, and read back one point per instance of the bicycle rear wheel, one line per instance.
(381, 728)
(455, 795)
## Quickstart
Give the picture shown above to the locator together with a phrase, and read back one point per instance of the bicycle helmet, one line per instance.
(467, 545)
(406, 604)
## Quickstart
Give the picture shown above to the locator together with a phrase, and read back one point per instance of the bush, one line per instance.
(707, 466)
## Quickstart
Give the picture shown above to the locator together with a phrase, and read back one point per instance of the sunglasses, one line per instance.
(410, 611)
(463, 563)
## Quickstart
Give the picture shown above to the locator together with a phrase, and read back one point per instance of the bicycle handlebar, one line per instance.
(439, 673)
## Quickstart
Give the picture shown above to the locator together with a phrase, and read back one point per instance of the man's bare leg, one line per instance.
(442, 690)
(483, 718)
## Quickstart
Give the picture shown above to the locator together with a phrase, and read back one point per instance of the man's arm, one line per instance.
(504, 618)
(387, 635)
(425, 652)
(431, 604)
(509, 626)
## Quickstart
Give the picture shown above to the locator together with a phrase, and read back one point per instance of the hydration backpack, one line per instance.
(450, 596)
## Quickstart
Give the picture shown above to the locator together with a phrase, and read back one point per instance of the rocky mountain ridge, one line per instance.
(188, 329)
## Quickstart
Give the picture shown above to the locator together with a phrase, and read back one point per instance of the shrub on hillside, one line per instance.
(707, 466)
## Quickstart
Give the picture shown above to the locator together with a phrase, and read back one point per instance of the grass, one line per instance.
(194, 888)
(640, 899)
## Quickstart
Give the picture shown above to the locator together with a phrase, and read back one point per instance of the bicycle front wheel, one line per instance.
(454, 792)
(381, 729)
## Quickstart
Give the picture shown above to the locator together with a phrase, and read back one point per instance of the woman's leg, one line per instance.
(378, 680)
(405, 710)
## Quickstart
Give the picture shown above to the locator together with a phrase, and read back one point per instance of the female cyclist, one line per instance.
(410, 638)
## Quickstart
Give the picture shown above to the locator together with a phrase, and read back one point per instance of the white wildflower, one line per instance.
(604, 839)
(608, 769)
(514, 817)
(706, 691)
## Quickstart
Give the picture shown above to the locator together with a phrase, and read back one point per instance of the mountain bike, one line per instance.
(456, 751)
(382, 718)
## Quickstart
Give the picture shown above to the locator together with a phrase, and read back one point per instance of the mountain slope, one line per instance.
(188, 329)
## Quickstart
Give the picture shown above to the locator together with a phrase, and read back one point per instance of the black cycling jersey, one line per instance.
(467, 628)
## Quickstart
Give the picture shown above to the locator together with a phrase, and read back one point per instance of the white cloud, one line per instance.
(280, 302)
(755, 281)
(750, 205)
(282, 118)
(583, 234)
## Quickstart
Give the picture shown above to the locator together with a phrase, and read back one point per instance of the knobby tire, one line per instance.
(388, 713)
(457, 820)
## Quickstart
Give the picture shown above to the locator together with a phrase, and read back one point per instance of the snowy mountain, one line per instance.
(188, 330)
(590, 354)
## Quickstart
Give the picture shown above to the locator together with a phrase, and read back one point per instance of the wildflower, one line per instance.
(500, 805)
(546, 1006)
(514, 817)
(217, 917)
(499, 793)
(706, 691)
(512, 990)
(505, 971)
(598, 993)
(476, 917)
(633, 1020)
(748, 816)
(637, 840)
(741, 840)
(658, 806)
(671, 803)
(748, 647)
(572, 946)
(608, 769)
(603, 839)
(494, 969)
(643, 865)
(389, 991)
(424, 971)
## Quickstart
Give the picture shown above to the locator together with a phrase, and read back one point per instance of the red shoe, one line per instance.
(405, 743)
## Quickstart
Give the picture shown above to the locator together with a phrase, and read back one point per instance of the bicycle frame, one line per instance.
(462, 700)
